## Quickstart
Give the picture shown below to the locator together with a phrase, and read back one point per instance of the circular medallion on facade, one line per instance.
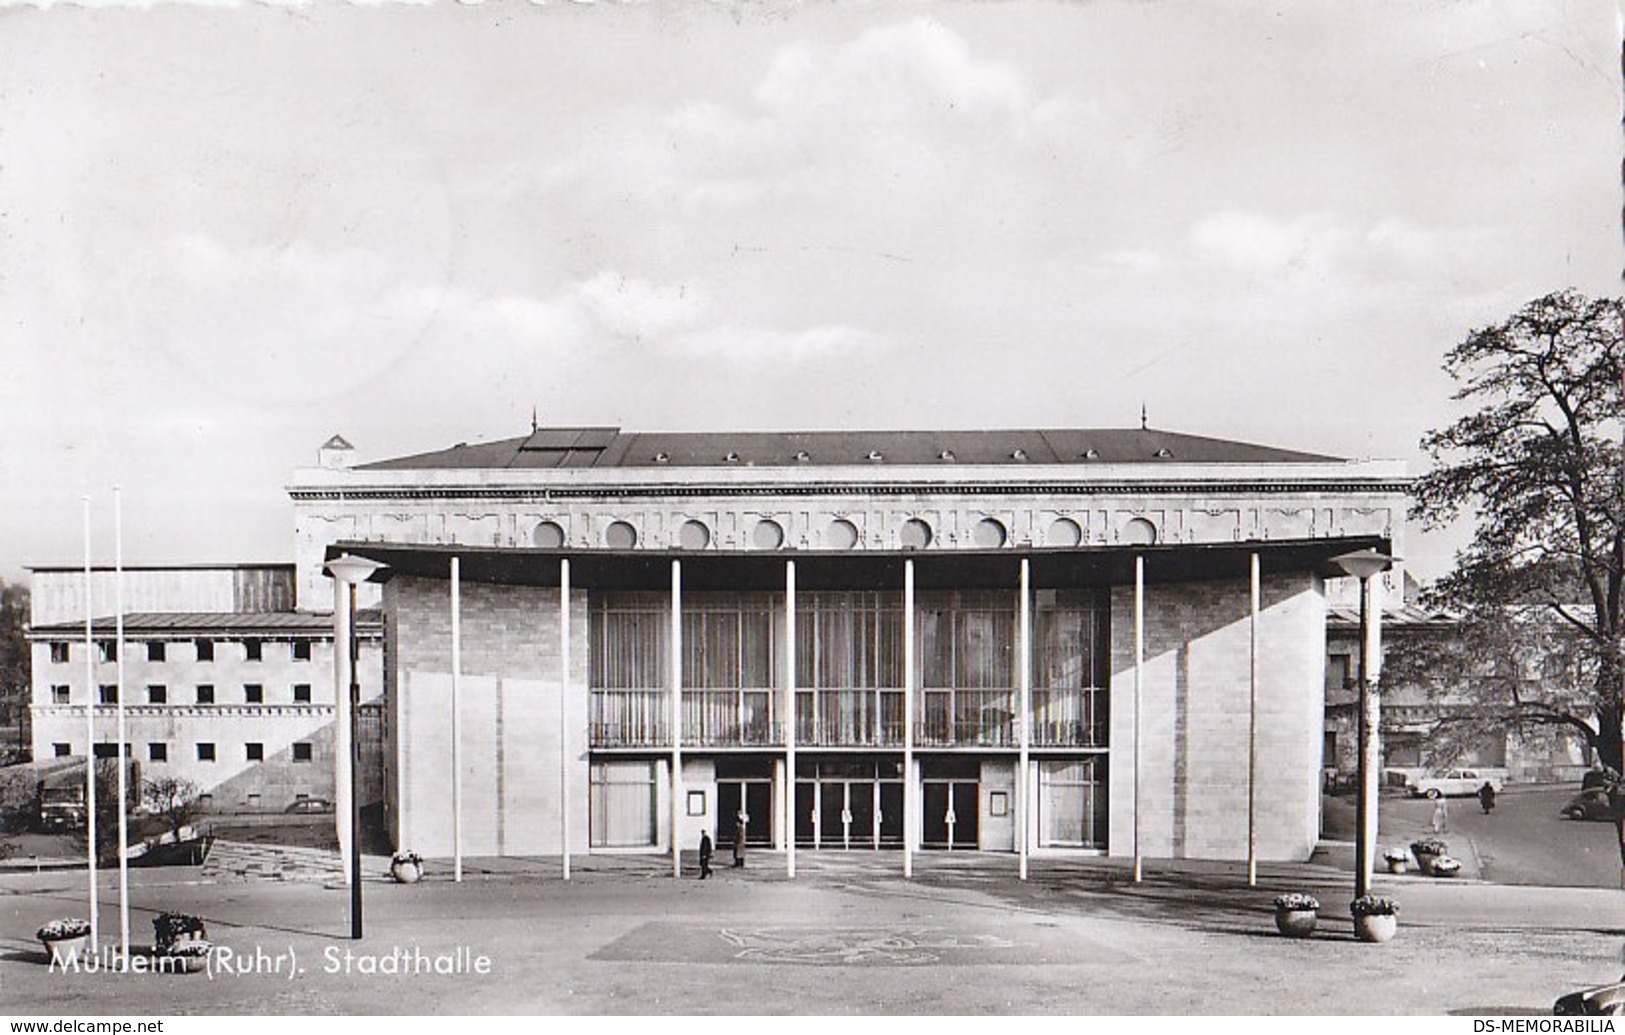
(767, 535)
(1063, 532)
(620, 536)
(988, 533)
(1140, 532)
(549, 535)
(915, 534)
(694, 535)
(841, 535)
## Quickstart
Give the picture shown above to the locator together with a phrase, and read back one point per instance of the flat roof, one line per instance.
(211, 623)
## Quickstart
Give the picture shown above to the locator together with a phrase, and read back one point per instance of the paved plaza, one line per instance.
(849, 935)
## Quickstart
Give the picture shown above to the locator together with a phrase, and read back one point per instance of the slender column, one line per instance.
(1025, 660)
(341, 720)
(1139, 667)
(564, 714)
(90, 741)
(909, 790)
(456, 719)
(788, 809)
(123, 755)
(1370, 745)
(676, 717)
(1252, 732)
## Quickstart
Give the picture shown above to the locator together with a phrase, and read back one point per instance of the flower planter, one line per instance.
(1445, 866)
(406, 872)
(1424, 862)
(1376, 928)
(65, 950)
(187, 964)
(1296, 923)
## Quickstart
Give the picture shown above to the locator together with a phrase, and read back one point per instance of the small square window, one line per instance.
(59, 695)
(157, 752)
(157, 694)
(106, 750)
(253, 801)
(253, 693)
(205, 650)
(301, 693)
(109, 693)
(109, 649)
(255, 751)
(301, 650)
(155, 650)
(59, 653)
(205, 694)
(205, 752)
(61, 750)
(301, 751)
(251, 650)
(205, 802)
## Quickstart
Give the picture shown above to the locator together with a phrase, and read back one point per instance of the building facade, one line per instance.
(1042, 640)
(224, 683)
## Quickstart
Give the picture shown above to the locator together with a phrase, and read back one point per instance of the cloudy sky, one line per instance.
(226, 234)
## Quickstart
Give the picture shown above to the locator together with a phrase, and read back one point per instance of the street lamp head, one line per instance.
(1362, 564)
(350, 569)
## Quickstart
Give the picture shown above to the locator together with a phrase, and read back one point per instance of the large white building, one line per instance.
(1027, 640)
(225, 684)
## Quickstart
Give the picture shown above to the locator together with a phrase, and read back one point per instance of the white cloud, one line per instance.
(638, 310)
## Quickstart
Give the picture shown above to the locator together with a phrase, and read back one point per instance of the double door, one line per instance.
(950, 810)
(842, 809)
(753, 797)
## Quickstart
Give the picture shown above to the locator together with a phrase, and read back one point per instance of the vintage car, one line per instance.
(1453, 783)
(1591, 803)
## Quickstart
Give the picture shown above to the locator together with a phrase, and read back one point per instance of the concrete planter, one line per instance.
(65, 950)
(1296, 923)
(1376, 928)
(406, 872)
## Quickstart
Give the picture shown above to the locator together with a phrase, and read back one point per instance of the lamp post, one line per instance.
(1362, 565)
(349, 570)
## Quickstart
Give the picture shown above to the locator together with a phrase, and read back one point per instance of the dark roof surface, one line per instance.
(612, 447)
(266, 623)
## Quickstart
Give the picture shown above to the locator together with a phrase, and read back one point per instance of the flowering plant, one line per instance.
(1371, 905)
(406, 858)
(1429, 846)
(67, 927)
(189, 949)
(1295, 901)
(169, 928)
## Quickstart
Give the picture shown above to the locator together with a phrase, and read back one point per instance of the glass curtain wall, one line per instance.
(967, 668)
(849, 669)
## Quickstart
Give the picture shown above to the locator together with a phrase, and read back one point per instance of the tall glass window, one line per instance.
(631, 633)
(1072, 803)
(1071, 669)
(622, 808)
(967, 668)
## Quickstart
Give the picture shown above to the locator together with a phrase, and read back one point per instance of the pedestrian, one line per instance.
(741, 824)
(1486, 797)
(1441, 815)
(705, 854)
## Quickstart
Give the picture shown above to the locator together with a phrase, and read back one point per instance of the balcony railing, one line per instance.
(1070, 718)
(630, 718)
(1061, 718)
(730, 718)
(849, 718)
(966, 718)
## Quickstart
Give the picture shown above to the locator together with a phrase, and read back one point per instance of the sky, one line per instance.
(228, 233)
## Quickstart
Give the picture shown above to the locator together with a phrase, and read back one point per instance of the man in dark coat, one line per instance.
(741, 824)
(705, 854)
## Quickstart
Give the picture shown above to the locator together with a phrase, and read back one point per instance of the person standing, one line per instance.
(1441, 815)
(705, 854)
(741, 825)
(1486, 797)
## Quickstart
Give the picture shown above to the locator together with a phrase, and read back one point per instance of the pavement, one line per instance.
(849, 935)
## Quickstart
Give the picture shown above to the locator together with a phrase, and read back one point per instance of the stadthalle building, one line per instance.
(1052, 640)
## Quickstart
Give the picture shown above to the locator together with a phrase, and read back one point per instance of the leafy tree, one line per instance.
(1536, 464)
(14, 665)
(173, 798)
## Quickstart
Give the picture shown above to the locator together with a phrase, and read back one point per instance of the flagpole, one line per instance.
(90, 740)
(123, 748)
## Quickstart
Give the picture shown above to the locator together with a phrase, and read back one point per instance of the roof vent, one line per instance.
(946, 454)
(1091, 454)
(732, 458)
(1020, 454)
(874, 454)
(662, 457)
(803, 456)
(1163, 453)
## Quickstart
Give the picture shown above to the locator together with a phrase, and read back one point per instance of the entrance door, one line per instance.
(860, 805)
(891, 813)
(806, 822)
(755, 799)
(951, 813)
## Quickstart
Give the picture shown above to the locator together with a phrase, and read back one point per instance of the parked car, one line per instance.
(1453, 783)
(309, 805)
(1602, 1001)
(1590, 804)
